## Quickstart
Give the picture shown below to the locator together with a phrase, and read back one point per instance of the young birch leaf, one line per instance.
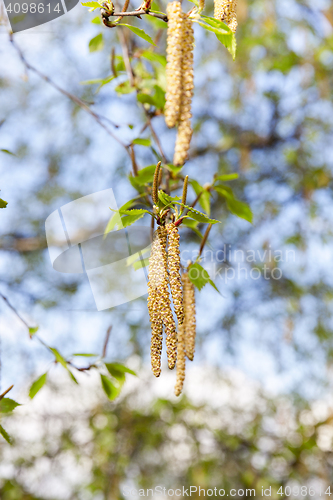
(222, 31)
(5, 435)
(235, 206)
(7, 405)
(142, 142)
(3, 203)
(145, 99)
(33, 330)
(196, 215)
(200, 277)
(93, 5)
(153, 57)
(7, 152)
(37, 385)
(226, 177)
(109, 388)
(139, 32)
(96, 43)
(204, 200)
(115, 368)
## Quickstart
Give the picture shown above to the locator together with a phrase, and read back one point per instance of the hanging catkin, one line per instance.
(184, 133)
(180, 375)
(225, 10)
(163, 297)
(174, 59)
(174, 271)
(156, 276)
(190, 322)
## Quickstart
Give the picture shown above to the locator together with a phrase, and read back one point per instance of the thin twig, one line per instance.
(98, 118)
(15, 311)
(138, 13)
(6, 392)
(204, 239)
(106, 341)
(126, 57)
(155, 137)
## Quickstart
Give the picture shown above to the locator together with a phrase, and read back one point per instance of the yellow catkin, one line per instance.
(184, 133)
(174, 270)
(190, 322)
(163, 297)
(156, 274)
(180, 376)
(225, 10)
(174, 63)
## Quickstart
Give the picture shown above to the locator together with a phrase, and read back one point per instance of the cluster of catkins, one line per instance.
(225, 10)
(164, 272)
(179, 74)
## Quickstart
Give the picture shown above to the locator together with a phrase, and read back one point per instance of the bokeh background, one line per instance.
(257, 408)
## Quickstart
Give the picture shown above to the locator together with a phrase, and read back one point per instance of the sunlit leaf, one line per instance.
(7, 405)
(200, 277)
(235, 206)
(142, 142)
(5, 435)
(3, 203)
(109, 388)
(96, 43)
(139, 32)
(37, 385)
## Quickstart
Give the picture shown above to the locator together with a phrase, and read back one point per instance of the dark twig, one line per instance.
(6, 392)
(15, 311)
(204, 239)
(106, 341)
(98, 118)
(138, 13)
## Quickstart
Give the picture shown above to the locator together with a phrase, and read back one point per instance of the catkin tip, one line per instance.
(225, 10)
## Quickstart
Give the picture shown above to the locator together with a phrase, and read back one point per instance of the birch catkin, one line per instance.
(156, 277)
(184, 133)
(163, 297)
(225, 10)
(174, 66)
(190, 322)
(174, 270)
(180, 375)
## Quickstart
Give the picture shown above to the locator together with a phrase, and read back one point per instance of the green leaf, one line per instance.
(235, 206)
(96, 43)
(173, 169)
(158, 23)
(222, 31)
(139, 32)
(153, 57)
(145, 99)
(140, 264)
(226, 177)
(135, 211)
(99, 81)
(130, 219)
(96, 20)
(198, 216)
(85, 354)
(159, 97)
(204, 200)
(145, 175)
(3, 203)
(37, 385)
(58, 357)
(113, 222)
(62, 361)
(142, 142)
(124, 88)
(166, 199)
(7, 405)
(33, 330)
(5, 435)
(93, 5)
(192, 224)
(109, 388)
(200, 277)
(118, 371)
(7, 152)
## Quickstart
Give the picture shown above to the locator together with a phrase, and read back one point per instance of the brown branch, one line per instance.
(204, 239)
(98, 118)
(126, 57)
(15, 311)
(6, 392)
(138, 13)
(106, 341)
